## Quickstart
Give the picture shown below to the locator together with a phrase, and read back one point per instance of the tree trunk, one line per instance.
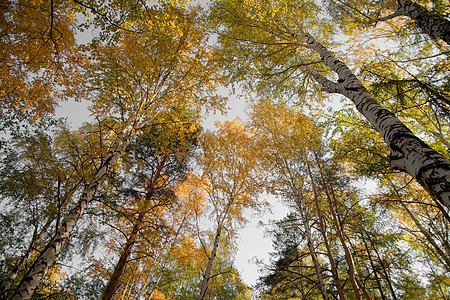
(212, 256)
(383, 267)
(24, 259)
(356, 284)
(372, 264)
(32, 278)
(347, 254)
(334, 271)
(408, 153)
(312, 251)
(114, 280)
(430, 23)
(430, 239)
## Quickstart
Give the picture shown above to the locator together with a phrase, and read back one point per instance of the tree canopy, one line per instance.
(348, 127)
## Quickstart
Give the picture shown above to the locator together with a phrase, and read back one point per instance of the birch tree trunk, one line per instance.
(430, 23)
(408, 153)
(212, 256)
(32, 278)
(312, 251)
(24, 259)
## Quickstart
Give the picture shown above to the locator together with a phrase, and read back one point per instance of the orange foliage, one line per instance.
(38, 55)
(157, 295)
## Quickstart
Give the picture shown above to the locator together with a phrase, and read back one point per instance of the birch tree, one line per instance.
(229, 166)
(37, 189)
(286, 138)
(273, 44)
(291, 142)
(135, 81)
(404, 70)
(429, 17)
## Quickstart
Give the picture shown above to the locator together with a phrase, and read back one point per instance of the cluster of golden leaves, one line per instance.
(39, 57)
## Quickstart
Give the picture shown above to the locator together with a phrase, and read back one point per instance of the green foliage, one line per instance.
(267, 59)
(290, 273)
(183, 276)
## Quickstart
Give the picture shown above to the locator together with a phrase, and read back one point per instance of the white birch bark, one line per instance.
(408, 153)
(212, 256)
(430, 23)
(207, 273)
(32, 278)
(24, 260)
(305, 220)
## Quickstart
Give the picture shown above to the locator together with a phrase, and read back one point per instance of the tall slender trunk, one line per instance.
(429, 238)
(114, 280)
(347, 254)
(383, 267)
(32, 278)
(305, 220)
(212, 256)
(299, 200)
(329, 192)
(430, 23)
(25, 258)
(375, 272)
(423, 230)
(408, 153)
(334, 271)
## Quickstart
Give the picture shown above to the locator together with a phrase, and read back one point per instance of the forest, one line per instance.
(144, 201)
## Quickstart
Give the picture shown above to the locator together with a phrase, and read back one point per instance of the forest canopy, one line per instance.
(146, 201)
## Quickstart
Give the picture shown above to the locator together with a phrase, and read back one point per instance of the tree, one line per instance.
(136, 81)
(280, 47)
(148, 193)
(228, 164)
(287, 137)
(290, 272)
(182, 277)
(36, 190)
(407, 77)
(432, 22)
(292, 145)
(399, 204)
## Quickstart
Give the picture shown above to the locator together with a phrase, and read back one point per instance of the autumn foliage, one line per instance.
(347, 128)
